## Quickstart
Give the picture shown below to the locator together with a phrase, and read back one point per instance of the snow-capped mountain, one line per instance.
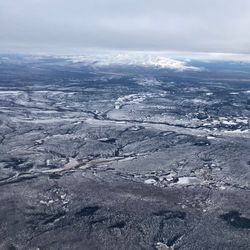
(133, 59)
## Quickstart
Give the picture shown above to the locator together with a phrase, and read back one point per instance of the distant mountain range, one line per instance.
(134, 59)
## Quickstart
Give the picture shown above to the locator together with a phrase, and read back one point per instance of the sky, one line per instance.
(67, 26)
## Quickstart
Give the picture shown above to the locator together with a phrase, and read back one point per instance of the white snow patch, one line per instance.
(150, 181)
(188, 181)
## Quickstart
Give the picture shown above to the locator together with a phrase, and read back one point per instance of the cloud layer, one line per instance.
(180, 25)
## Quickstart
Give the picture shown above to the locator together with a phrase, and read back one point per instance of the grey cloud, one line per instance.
(181, 25)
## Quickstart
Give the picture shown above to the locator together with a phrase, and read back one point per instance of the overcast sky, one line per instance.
(75, 25)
